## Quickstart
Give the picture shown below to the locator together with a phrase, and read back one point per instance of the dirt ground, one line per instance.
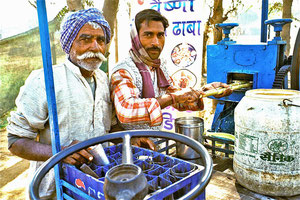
(13, 173)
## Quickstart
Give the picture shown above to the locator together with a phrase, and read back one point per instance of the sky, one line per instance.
(17, 16)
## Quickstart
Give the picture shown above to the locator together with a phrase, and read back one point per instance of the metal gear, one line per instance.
(280, 77)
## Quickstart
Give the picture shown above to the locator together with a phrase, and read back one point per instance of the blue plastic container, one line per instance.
(168, 177)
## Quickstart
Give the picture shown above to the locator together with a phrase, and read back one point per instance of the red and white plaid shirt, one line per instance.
(131, 108)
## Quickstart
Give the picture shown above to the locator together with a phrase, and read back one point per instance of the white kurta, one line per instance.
(80, 116)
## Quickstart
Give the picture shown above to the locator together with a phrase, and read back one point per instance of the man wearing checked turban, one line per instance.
(82, 97)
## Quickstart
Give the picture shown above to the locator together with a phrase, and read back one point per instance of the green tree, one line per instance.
(286, 31)
(285, 8)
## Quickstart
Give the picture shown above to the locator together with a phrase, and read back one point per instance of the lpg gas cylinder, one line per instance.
(267, 141)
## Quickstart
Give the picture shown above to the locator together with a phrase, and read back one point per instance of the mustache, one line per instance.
(153, 48)
(90, 54)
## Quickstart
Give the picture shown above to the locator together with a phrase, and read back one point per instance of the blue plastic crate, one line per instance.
(168, 177)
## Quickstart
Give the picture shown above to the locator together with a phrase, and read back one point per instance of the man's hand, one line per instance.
(215, 85)
(143, 142)
(78, 158)
(186, 96)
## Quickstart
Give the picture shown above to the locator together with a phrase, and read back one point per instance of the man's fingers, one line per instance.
(224, 85)
(208, 87)
(144, 143)
(191, 99)
(188, 97)
(223, 94)
(72, 161)
(219, 84)
(201, 104)
(151, 145)
(84, 153)
(135, 142)
(228, 91)
(196, 93)
(79, 158)
(215, 85)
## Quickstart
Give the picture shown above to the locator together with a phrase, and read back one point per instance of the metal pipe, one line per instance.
(49, 84)
(264, 17)
(126, 150)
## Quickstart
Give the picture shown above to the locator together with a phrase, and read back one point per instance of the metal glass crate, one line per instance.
(168, 177)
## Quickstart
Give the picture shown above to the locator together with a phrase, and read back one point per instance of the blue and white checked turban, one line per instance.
(73, 23)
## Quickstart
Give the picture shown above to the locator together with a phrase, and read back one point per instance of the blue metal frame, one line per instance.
(49, 84)
(264, 17)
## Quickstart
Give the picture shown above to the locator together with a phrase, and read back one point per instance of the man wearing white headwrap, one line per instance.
(82, 95)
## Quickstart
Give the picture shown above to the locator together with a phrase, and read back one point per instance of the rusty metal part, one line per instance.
(280, 77)
(292, 65)
(287, 102)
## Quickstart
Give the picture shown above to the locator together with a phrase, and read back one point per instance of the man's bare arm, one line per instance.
(32, 150)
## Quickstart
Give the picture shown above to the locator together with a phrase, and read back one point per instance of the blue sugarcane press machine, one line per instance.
(263, 64)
